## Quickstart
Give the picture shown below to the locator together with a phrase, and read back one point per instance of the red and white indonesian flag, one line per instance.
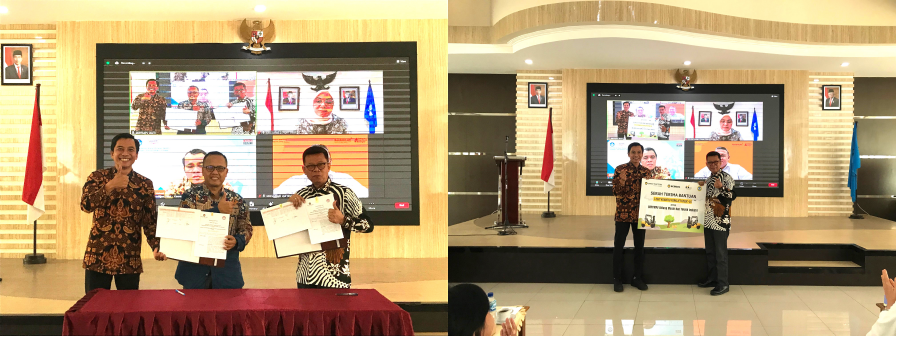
(548, 158)
(33, 190)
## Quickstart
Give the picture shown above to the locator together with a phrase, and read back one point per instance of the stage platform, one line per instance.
(578, 249)
(38, 295)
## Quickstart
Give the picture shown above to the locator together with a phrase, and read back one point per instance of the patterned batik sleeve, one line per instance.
(356, 218)
(187, 200)
(150, 215)
(138, 103)
(619, 186)
(244, 227)
(93, 195)
(728, 186)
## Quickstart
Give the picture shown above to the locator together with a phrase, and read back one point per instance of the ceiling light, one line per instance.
(845, 64)
(688, 63)
(38, 37)
(551, 78)
(4, 10)
(815, 80)
(655, 22)
(260, 8)
(528, 61)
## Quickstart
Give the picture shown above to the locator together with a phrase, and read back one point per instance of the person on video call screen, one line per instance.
(736, 171)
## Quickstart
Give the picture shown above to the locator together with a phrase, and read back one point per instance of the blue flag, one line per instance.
(370, 110)
(854, 165)
(755, 128)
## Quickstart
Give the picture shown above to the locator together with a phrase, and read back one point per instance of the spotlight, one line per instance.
(528, 61)
(4, 10)
(688, 63)
(845, 64)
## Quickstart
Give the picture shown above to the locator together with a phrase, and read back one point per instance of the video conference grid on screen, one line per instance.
(181, 109)
(677, 130)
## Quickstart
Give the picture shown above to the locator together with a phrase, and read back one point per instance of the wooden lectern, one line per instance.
(514, 171)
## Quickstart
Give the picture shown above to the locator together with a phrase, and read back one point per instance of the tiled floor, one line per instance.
(686, 310)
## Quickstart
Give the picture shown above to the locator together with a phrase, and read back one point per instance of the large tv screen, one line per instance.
(743, 122)
(262, 111)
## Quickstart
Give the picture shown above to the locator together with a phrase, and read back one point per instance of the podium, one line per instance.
(509, 195)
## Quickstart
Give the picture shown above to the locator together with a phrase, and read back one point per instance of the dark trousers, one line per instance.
(717, 252)
(94, 280)
(310, 286)
(638, 236)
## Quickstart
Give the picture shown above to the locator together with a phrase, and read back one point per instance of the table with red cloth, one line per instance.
(230, 312)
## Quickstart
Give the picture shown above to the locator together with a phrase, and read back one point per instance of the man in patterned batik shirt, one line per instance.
(150, 109)
(627, 190)
(622, 118)
(203, 111)
(123, 203)
(716, 228)
(663, 124)
(211, 196)
(248, 108)
(330, 268)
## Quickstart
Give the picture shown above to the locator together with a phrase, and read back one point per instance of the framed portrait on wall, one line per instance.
(348, 98)
(704, 118)
(741, 118)
(831, 97)
(289, 99)
(17, 62)
(538, 95)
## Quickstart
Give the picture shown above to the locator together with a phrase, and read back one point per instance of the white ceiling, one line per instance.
(621, 53)
(51, 11)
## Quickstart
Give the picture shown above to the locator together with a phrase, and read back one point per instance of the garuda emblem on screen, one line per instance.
(318, 82)
(256, 36)
(686, 78)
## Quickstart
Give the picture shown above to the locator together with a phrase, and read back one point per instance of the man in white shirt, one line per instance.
(736, 171)
(295, 183)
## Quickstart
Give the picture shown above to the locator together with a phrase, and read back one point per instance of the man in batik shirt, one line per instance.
(203, 111)
(123, 203)
(150, 109)
(663, 124)
(649, 161)
(211, 196)
(248, 108)
(329, 269)
(627, 190)
(720, 195)
(622, 118)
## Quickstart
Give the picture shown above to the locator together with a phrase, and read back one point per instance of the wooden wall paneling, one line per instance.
(828, 154)
(16, 110)
(531, 127)
(645, 14)
(794, 203)
(77, 129)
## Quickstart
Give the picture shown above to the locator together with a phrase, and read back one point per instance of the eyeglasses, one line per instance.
(329, 101)
(713, 162)
(220, 169)
(316, 167)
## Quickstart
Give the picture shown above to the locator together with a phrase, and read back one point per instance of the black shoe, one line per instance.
(618, 286)
(638, 283)
(707, 284)
(719, 290)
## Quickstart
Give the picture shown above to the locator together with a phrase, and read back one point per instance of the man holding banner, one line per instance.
(717, 223)
(627, 190)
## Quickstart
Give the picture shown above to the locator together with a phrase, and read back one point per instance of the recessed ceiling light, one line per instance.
(528, 61)
(655, 22)
(815, 80)
(845, 64)
(688, 63)
(551, 78)
(260, 8)
(38, 37)
(4, 10)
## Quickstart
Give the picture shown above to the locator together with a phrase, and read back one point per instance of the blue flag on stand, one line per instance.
(755, 128)
(854, 165)
(370, 110)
